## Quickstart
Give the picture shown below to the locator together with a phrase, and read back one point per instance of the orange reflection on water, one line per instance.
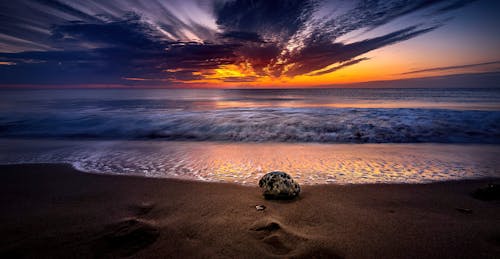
(340, 163)
(225, 104)
(245, 163)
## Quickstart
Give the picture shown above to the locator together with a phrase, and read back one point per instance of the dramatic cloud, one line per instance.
(174, 42)
(335, 68)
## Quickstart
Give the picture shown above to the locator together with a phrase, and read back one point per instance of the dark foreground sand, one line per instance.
(56, 211)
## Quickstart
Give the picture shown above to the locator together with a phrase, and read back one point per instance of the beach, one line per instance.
(53, 210)
(385, 173)
(249, 129)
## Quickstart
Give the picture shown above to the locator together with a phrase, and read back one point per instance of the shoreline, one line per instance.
(245, 163)
(54, 210)
(188, 180)
(450, 181)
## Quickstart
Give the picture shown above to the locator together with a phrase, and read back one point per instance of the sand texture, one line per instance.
(55, 211)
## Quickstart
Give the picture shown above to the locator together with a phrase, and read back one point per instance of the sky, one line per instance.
(245, 43)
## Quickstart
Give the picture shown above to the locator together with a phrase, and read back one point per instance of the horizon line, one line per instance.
(359, 85)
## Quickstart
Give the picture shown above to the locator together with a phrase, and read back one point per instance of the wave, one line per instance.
(322, 125)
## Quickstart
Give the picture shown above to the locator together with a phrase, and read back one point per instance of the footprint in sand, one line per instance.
(280, 241)
(125, 238)
(128, 236)
(283, 241)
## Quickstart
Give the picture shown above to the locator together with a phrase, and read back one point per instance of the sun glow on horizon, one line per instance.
(245, 43)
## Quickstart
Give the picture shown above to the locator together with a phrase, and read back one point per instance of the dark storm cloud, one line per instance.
(242, 36)
(128, 32)
(198, 55)
(64, 42)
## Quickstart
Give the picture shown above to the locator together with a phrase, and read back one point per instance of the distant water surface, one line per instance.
(303, 115)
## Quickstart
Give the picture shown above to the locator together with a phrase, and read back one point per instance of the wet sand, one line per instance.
(53, 210)
(246, 163)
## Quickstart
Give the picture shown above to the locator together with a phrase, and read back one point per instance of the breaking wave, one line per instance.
(322, 125)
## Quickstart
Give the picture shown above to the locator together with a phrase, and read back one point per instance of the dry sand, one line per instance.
(56, 211)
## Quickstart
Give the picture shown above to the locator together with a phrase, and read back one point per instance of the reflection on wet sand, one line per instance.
(245, 163)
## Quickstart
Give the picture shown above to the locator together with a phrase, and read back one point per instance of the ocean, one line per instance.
(317, 135)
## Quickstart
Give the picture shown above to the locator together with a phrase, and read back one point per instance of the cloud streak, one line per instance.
(156, 42)
(434, 69)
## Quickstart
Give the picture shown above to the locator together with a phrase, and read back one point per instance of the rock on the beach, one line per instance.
(279, 185)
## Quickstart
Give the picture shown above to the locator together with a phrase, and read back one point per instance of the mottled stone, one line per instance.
(279, 185)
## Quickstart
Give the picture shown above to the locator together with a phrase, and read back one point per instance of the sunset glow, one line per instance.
(233, 44)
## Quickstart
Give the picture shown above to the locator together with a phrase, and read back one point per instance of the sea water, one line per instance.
(317, 135)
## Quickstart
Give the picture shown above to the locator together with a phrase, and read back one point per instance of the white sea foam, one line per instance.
(322, 125)
(245, 163)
